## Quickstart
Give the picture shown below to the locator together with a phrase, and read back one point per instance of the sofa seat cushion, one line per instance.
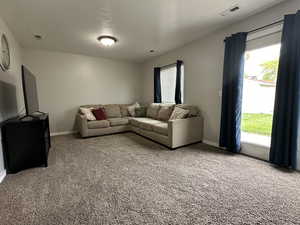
(144, 123)
(118, 121)
(98, 124)
(161, 128)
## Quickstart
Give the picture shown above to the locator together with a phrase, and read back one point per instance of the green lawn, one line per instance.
(257, 123)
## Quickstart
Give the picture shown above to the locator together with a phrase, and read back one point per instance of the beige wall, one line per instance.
(11, 93)
(66, 81)
(203, 61)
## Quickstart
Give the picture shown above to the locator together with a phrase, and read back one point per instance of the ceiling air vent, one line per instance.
(230, 10)
(234, 9)
(38, 37)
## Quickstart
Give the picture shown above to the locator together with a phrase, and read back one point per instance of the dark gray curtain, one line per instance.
(178, 98)
(157, 85)
(285, 131)
(230, 132)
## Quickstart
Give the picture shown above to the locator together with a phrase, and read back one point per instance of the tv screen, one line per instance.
(30, 91)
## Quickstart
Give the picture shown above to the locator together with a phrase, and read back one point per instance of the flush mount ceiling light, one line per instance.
(107, 40)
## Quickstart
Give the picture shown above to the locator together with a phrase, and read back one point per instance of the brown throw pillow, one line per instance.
(165, 112)
(194, 111)
(179, 113)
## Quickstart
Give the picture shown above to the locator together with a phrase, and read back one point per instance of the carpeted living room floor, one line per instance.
(126, 179)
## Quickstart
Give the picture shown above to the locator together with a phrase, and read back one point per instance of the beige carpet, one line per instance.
(126, 179)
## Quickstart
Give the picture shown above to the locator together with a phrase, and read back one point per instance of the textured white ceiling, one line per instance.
(140, 25)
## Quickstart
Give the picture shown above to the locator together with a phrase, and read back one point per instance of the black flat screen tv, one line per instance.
(30, 91)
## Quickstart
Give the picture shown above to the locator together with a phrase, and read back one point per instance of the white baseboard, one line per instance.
(2, 175)
(62, 133)
(211, 143)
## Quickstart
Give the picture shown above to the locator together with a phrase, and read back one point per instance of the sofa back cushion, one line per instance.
(112, 111)
(94, 106)
(152, 110)
(131, 108)
(165, 112)
(124, 110)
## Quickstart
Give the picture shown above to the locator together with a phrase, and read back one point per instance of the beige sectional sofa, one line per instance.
(171, 133)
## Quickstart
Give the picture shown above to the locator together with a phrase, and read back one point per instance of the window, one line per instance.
(168, 84)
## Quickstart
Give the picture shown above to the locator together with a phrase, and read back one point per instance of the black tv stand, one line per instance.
(26, 143)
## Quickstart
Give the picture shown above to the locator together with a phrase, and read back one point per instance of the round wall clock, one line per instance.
(5, 55)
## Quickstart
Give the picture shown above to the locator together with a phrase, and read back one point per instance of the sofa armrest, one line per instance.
(185, 131)
(81, 121)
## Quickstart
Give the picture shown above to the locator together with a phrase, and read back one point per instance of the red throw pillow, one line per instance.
(99, 114)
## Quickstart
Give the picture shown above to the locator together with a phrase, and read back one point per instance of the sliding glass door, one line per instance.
(261, 66)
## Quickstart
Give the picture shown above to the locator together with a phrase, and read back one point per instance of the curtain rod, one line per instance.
(263, 27)
(172, 64)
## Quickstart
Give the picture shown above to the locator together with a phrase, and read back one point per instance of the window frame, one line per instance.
(171, 66)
